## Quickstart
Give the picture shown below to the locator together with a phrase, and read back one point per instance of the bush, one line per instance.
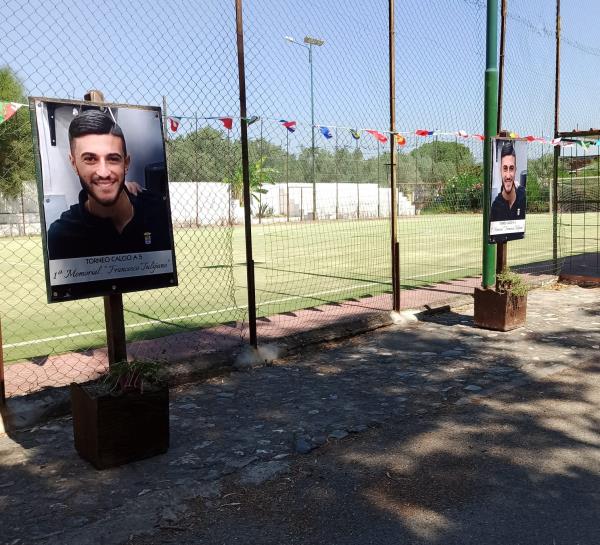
(461, 192)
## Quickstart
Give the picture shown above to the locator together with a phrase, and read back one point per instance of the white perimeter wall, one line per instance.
(208, 203)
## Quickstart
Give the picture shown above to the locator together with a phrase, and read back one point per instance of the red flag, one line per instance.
(400, 140)
(227, 122)
(289, 125)
(479, 137)
(530, 138)
(174, 123)
(8, 109)
(378, 136)
(423, 132)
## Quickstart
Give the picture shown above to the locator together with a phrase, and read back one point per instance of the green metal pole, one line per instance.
(490, 130)
(312, 122)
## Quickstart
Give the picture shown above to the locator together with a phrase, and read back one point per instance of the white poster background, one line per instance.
(108, 267)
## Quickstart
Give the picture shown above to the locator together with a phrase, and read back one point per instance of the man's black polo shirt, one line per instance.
(77, 233)
(501, 211)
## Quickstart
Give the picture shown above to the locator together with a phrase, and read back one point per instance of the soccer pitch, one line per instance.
(298, 265)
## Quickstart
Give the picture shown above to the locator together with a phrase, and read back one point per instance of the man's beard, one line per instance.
(512, 186)
(103, 203)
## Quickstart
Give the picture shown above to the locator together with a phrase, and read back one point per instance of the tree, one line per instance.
(16, 151)
(259, 176)
(205, 155)
(439, 161)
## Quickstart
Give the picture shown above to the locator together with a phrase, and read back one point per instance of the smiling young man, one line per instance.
(108, 219)
(509, 204)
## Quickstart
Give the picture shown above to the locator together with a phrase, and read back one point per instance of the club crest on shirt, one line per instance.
(147, 238)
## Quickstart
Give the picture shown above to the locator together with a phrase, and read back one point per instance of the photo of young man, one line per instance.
(108, 219)
(508, 205)
(102, 179)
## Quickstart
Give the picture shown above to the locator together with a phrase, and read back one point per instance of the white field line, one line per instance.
(436, 273)
(177, 318)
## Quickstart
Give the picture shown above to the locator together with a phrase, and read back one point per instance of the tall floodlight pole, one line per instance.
(308, 44)
(490, 130)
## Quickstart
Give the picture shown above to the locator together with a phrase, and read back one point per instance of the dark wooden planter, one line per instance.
(114, 430)
(499, 311)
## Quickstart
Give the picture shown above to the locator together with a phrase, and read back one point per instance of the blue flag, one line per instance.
(326, 132)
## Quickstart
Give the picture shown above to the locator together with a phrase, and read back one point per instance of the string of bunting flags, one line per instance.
(382, 136)
(8, 109)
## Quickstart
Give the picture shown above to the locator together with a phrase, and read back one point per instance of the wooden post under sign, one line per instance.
(113, 304)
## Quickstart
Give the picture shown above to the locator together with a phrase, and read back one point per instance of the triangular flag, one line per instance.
(423, 132)
(513, 135)
(8, 109)
(227, 122)
(530, 138)
(479, 137)
(584, 144)
(555, 141)
(253, 119)
(289, 125)
(174, 123)
(597, 142)
(355, 134)
(462, 133)
(326, 132)
(380, 137)
(400, 140)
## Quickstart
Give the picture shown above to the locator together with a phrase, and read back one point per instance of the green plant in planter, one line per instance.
(135, 376)
(512, 283)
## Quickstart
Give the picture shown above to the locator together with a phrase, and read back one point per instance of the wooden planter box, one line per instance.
(499, 311)
(114, 430)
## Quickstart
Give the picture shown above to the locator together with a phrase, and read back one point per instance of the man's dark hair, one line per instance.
(508, 149)
(94, 122)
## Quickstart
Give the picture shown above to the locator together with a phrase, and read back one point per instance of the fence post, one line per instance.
(113, 304)
(23, 213)
(490, 130)
(246, 174)
(501, 247)
(2, 384)
(556, 148)
(287, 174)
(393, 196)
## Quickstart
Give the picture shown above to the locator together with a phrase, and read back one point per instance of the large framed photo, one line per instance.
(104, 198)
(508, 192)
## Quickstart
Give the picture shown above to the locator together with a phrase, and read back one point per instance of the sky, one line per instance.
(184, 50)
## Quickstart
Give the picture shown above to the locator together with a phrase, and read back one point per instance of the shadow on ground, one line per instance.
(406, 457)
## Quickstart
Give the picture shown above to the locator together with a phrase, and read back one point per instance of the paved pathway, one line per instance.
(245, 428)
(220, 344)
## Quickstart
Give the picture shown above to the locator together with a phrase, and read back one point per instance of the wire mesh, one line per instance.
(320, 196)
(578, 171)
(62, 50)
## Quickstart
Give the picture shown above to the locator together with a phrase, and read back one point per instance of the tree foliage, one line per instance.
(16, 151)
(437, 175)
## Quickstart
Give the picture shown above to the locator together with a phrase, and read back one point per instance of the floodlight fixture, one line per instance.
(313, 41)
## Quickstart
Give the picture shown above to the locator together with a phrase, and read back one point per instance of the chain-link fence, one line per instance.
(317, 87)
